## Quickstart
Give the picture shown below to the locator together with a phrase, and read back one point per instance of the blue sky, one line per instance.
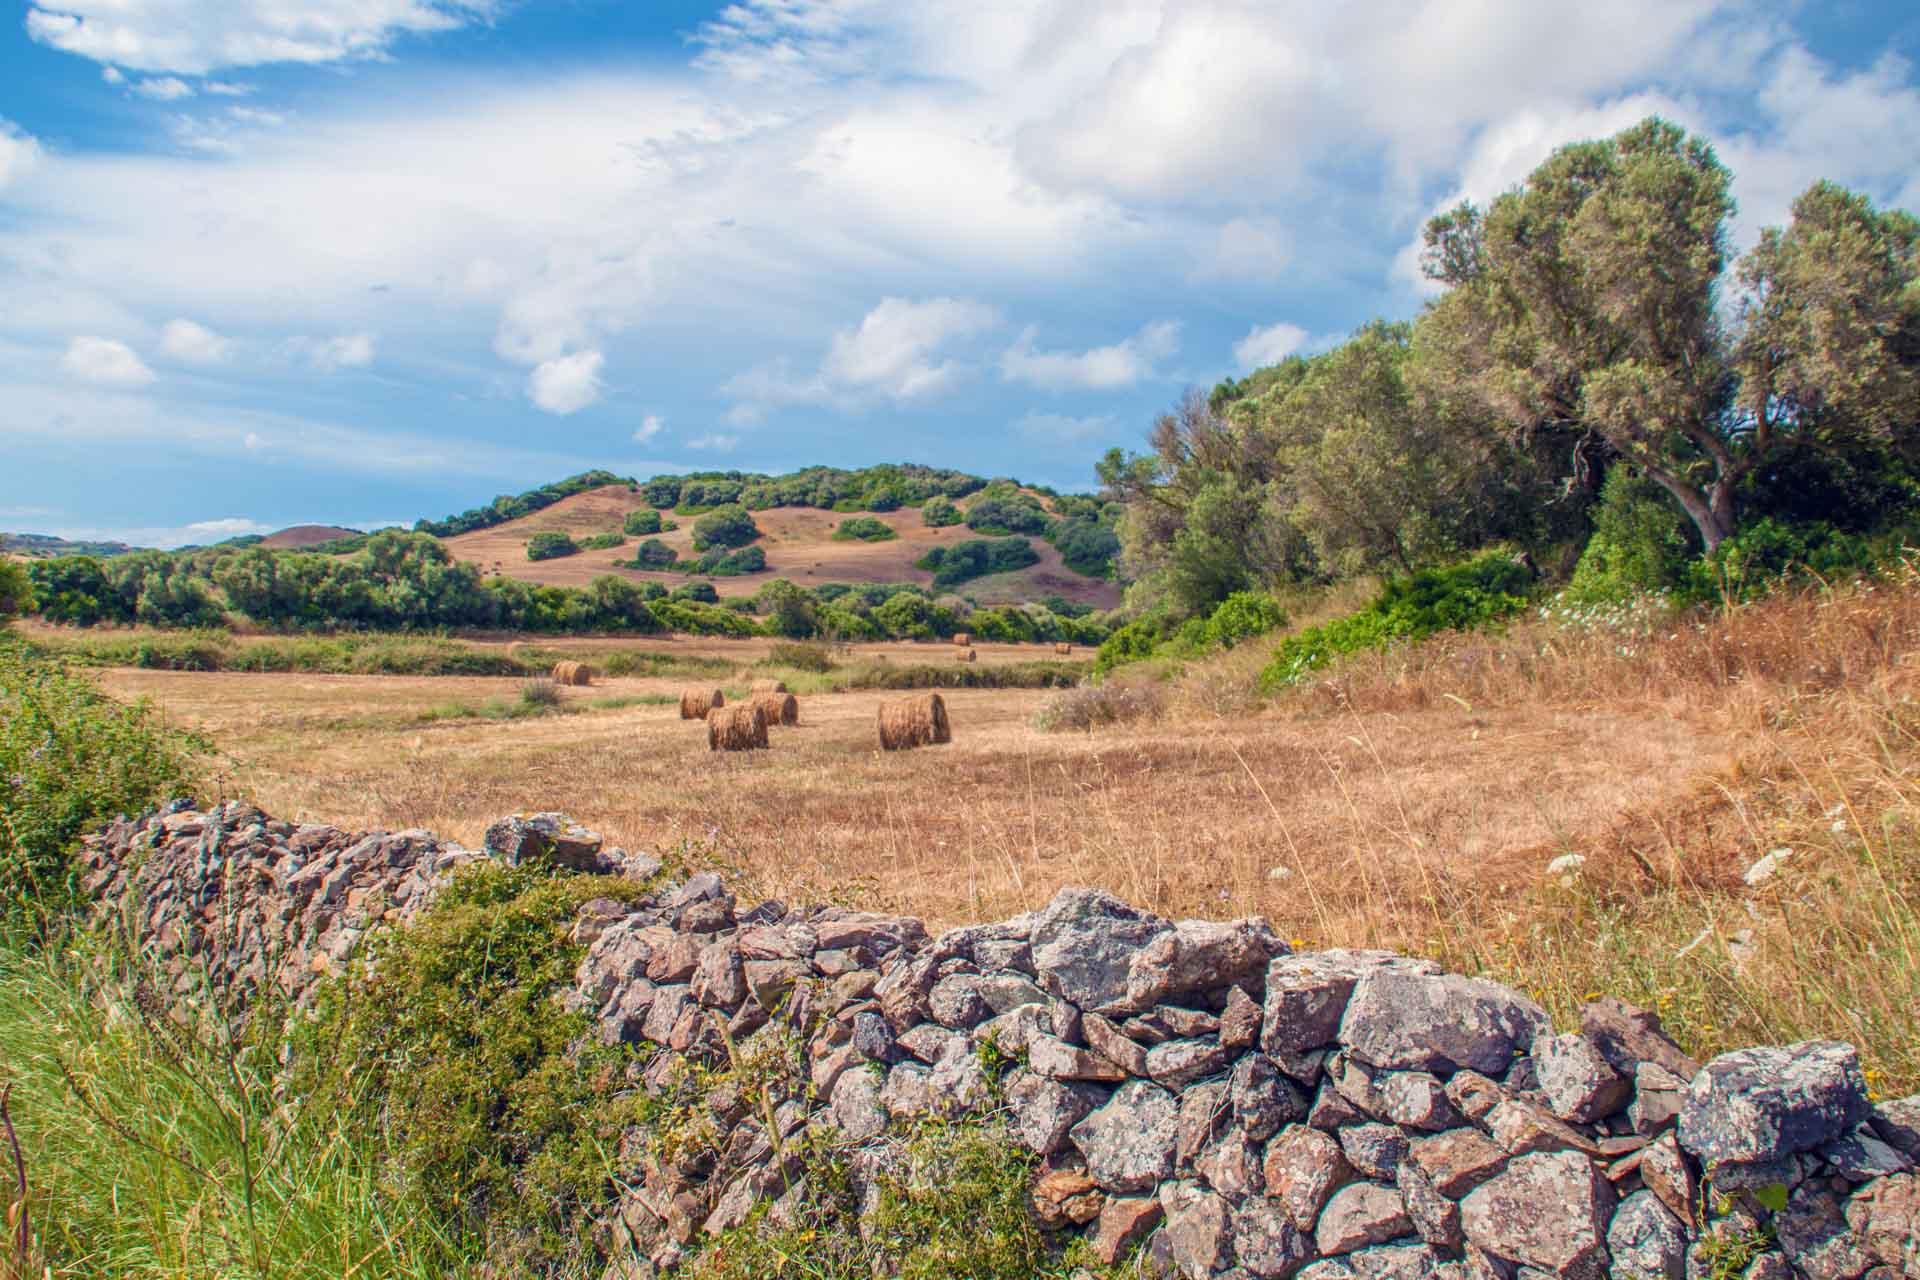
(358, 261)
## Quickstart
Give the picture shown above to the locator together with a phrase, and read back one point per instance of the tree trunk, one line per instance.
(1711, 511)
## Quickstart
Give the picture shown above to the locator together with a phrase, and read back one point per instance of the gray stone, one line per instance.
(1456, 1161)
(1437, 1022)
(1231, 1166)
(857, 1109)
(1860, 1156)
(873, 1038)
(1004, 991)
(1058, 1060)
(1897, 1124)
(1376, 1150)
(930, 1043)
(1201, 1232)
(1178, 1063)
(1015, 1030)
(1505, 1217)
(549, 837)
(1306, 998)
(1667, 1174)
(1579, 1083)
(1044, 1110)
(1107, 1040)
(1762, 1103)
(1628, 1036)
(1360, 1214)
(1658, 1095)
(1414, 1100)
(1435, 1218)
(1885, 1218)
(1520, 1126)
(1750, 1175)
(1646, 1240)
(1240, 1020)
(1129, 1142)
(908, 1092)
(1198, 956)
(956, 1002)
(958, 1084)
(1303, 1168)
(1814, 1235)
(1266, 1242)
(1083, 945)
(1263, 1099)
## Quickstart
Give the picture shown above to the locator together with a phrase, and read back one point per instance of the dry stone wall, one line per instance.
(1201, 1098)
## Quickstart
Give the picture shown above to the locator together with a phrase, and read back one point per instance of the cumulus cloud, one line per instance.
(1122, 364)
(19, 152)
(1252, 249)
(650, 426)
(1268, 345)
(195, 38)
(194, 344)
(566, 384)
(330, 355)
(105, 361)
(164, 89)
(895, 352)
(715, 441)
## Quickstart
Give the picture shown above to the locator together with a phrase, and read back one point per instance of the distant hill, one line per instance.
(301, 536)
(41, 546)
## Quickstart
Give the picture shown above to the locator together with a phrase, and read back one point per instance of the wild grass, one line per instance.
(154, 1150)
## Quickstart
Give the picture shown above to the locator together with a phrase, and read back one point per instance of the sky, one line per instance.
(360, 261)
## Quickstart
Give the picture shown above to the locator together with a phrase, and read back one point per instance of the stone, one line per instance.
(856, 1106)
(1171, 1022)
(1658, 1095)
(930, 1043)
(1579, 1083)
(1263, 1098)
(1205, 1111)
(1198, 956)
(1004, 991)
(959, 1084)
(1456, 1161)
(1306, 998)
(1766, 1102)
(1376, 1150)
(829, 1067)
(873, 1038)
(1627, 1036)
(1044, 1110)
(1108, 1041)
(1814, 1234)
(1240, 1020)
(1897, 1124)
(1474, 1095)
(1057, 1060)
(1666, 1173)
(1360, 1214)
(1860, 1156)
(1178, 1063)
(770, 982)
(1124, 1222)
(956, 1002)
(1505, 1217)
(908, 1092)
(664, 1013)
(1331, 1111)
(1414, 1100)
(549, 837)
(1015, 1030)
(1083, 945)
(1435, 1218)
(1646, 1240)
(1521, 1126)
(1303, 1168)
(879, 934)
(1066, 1196)
(1266, 1242)
(1129, 1142)
(1231, 1166)
(1201, 1233)
(1437, 1022)
(675, 960)
(1885, 1218)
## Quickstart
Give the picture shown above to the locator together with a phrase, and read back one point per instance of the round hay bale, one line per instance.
(779, 708)
(962, 639)
(696, 703)
(572, 673)
(966, 655)
(737, 728)
(1062, 649)
(914, 722)
(768, 686)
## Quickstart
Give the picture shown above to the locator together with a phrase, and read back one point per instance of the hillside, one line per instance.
(798, 542)
(300, 536)
(41, 546)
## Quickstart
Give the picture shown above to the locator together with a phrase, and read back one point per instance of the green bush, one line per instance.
(1243, 615)
(725, 526)
(939, 512)
(1130, 643)
(883, 500)
(16, 590)
(704, 592)
(653, 554)
(976, 558)
(494, 1098)
(864, 529)
(1086, 546)
(603, 541)
(71, 758)
(1479, 593)
(642, 522)
(1642, 543)
(722, 563)
(550, 544)
(1013, 513)
(800, 656)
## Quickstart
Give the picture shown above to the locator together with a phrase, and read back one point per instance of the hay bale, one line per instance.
(737, 728)
(768, 686)
(962, 639)
(916, 722)
(779, 708)
(696, 703)
(1062, 649)
(572, 673)
(966, 655)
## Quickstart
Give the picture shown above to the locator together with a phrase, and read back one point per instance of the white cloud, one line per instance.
(164, 89)
(1268, 345)
(893, 353)
(1249, 249)
(566, 384)
(330, 355)
(715, 441)
(194, 344)
(253, 441)
(1122, 364)
(650, 426)
(1061, 429)
(171, 35)
(19, 152)
(111, 74)
(229, 527)
(227, 88)
(105, 361)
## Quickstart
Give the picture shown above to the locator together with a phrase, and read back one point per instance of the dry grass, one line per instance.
(1411, 800)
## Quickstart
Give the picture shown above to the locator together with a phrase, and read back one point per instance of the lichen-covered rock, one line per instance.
(1231, 1166)
(1303, 1168)
(1376, 1150)
(1897, 1124)
(1814, 1235)
(1057, 1060)
(1646, 1240)
(1414, 1100)
(1199, 956)
(1504, 1216)
(1045, 1111)
(1263, 1098)
(1107, 1040)
(1123, 1223)
(1266, 1243)
(1200, 1228)
(1658, 1095)
(1129, 1142)
(1668, 1175)
(1767, 1102)
(1457, 1160)
(955, 1002)
(857, 1108)
(1435, 1218)
(1437, 1022)
(1179, 1063)
(1885, 1218)
(1628, 1036)
(1360, 1214)
(1307, 995)
(1084, 942)
(1579, 1083)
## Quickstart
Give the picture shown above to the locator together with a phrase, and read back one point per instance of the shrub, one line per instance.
(723, 563)
(662, 491)
(883, 500)
(1641, 543)
(864, 529)
(491, 1094)
(1086, 546)
(1014, 512)
(800, 656)
(1086, 707)
(16, 590)
(70, 759)
(704, 592)
(640, 523)
(550, 544)
(1243, 615)
(976, 558)
(653, 554)
(602, 541)
(938, 513)
(540, 694)
(727, 526)
(1130, 643)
